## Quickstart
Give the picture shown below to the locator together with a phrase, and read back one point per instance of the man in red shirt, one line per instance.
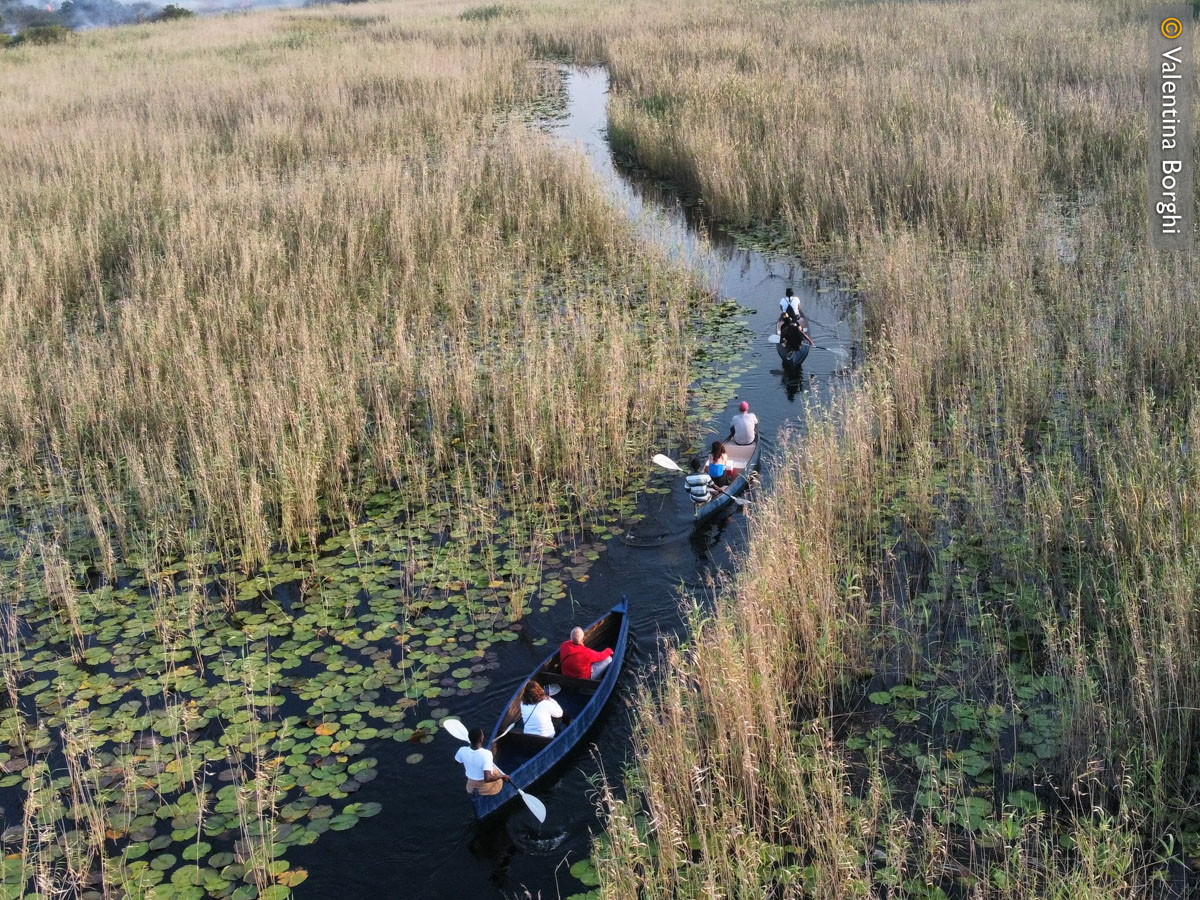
(581, 661)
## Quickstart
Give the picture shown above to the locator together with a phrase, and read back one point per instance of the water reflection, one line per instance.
(704, 538)
(756, 280)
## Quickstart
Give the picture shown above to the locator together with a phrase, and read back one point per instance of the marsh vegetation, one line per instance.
(322, 368)
(320, 359)
(958, 657)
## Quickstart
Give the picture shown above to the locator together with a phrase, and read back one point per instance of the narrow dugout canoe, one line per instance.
(796, 360)
(743, 459)
(527, 757)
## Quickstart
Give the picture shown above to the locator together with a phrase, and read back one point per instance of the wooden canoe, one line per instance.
(527, 757)
(743, 459)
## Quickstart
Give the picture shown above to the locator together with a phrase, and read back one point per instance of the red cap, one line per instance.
(743, 406)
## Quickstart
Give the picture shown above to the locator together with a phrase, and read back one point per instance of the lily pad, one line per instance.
(585, 872)
(196, 851)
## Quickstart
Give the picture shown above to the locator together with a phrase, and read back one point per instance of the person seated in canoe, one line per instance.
(717, 465)
(579, 660)
(792, 338)
(789, 308)
(538, 711)
(483, 777)
(699, 484)
(744, 429)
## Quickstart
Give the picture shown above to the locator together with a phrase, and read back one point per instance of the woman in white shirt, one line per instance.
(538, 711)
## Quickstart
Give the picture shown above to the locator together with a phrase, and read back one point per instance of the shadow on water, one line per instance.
(424, 843)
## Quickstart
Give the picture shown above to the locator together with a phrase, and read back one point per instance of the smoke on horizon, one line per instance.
(16, 15)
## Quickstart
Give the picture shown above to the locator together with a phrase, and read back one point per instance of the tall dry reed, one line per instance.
(1005, 500)
(246, 270)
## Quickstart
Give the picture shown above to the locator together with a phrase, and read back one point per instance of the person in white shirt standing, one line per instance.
(538, 711)
(483, 777)
(744, 429)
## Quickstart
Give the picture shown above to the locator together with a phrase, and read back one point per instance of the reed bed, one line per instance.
(248, 269)
(957, 659)
(250, 275)
(317, 354)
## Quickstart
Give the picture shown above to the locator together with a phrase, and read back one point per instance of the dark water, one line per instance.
(424, 843)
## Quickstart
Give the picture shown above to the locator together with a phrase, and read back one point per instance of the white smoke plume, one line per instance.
(16, 16)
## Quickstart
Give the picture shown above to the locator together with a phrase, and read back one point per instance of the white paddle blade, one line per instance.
(456, 728)
(553, 690)
(536, 806)
(773, 339)
(506, 730)
(666, 462)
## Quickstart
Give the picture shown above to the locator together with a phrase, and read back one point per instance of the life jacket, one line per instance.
(698, 484)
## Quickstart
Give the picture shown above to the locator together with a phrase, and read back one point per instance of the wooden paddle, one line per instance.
(774, 339)
(667, 463)
(459, 730)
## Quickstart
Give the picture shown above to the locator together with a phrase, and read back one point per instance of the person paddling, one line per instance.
(699, 484)
(579, 660)
(744, 428)
(792, 338)
(483, 778)
(789, 307)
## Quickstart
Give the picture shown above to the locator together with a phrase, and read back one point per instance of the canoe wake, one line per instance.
(530, 836)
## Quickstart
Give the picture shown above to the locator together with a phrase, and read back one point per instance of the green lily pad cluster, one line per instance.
(720, 359)
(188, 743)
(966, 750)
(584, 871)
(765, 237)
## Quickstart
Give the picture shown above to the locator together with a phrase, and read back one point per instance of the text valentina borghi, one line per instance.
(1169, 203)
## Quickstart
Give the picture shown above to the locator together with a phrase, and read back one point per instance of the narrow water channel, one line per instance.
(424, 843)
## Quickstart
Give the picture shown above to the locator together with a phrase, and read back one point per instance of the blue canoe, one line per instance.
(794, 360)
(527, 757)
(743, 459)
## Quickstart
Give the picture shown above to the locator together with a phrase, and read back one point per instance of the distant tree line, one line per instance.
(44, 24)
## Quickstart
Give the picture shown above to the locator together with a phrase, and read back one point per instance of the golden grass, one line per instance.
(249, 267)
(254, 271)
(249, 264)
(1024, 427)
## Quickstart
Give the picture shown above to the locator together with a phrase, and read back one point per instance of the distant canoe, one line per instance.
(527, 757)
(743, 459)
